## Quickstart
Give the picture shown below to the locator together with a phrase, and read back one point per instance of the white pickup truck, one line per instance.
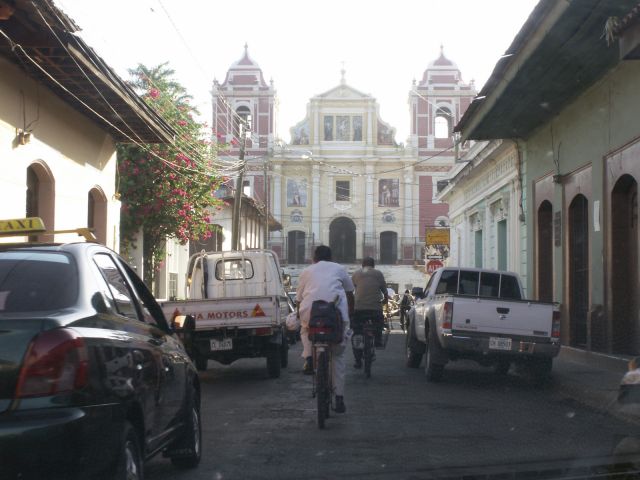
(478, 314)
(236, 308)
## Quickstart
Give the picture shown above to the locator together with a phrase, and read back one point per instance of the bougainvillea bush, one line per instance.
(166, 190)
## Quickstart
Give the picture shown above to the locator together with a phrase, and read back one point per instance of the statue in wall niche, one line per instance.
(300, 134)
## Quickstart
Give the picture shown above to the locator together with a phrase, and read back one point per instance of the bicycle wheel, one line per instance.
(368, 354)
(322, 389)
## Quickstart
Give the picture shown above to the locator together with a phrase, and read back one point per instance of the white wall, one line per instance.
(76, 151)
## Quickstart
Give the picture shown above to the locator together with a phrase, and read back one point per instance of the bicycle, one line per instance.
(322, 379)
(369, 352)
(366, 341)
(325, 330)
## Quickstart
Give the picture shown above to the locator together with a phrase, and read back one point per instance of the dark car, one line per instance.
(93, 381)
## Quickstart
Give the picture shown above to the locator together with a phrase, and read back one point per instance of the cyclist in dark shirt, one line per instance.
(370, 296)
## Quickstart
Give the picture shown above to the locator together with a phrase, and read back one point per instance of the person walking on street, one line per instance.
(325, 280)
(405, 306)
(370, 296)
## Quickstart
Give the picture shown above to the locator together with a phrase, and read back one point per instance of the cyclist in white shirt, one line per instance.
(324, 280)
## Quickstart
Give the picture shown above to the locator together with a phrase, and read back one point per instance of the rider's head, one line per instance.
(322, 253)
(368, 262)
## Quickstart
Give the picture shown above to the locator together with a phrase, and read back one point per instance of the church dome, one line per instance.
(442, 62)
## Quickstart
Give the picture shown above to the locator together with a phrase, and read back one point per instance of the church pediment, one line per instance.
(344, 92)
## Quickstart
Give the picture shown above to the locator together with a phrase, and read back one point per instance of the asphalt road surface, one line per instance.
(397, 425)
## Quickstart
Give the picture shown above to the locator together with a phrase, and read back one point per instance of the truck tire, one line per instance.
(502, 367)
(541, 370)
(414, 349)
(274, 361)
(433, 371)
(284, 353)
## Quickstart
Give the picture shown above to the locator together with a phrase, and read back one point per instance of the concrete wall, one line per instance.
(594, 125)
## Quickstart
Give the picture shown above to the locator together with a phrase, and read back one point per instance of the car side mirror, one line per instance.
(99, 303)
(183, 322)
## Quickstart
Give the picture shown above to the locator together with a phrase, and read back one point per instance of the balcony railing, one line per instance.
(385, 251)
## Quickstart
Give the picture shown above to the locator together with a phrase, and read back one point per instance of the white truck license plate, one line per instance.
(499, 343)
(225, 344)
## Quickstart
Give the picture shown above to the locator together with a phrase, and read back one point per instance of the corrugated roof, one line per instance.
(569, 58)
(41, 40)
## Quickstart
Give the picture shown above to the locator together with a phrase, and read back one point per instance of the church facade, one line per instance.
(344, 180)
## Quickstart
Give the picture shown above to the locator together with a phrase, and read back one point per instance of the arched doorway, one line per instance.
(578, 270)
(295, 246)
(544, 260)
(97, 214)
(624, 265)
(342, 240)
(388, 248)
(40, 197)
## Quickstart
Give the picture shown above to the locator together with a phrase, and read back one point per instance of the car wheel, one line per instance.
(274, 361)
(130, 463)
(433, 371)
(189, 445)
(414, 353)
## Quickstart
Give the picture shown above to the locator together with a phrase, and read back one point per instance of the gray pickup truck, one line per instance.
(478, 314)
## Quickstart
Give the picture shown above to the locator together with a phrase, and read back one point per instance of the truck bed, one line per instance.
(240, 312)
(518, 318)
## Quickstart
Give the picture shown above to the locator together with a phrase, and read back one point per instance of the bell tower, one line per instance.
(243, 95)
(436, 103)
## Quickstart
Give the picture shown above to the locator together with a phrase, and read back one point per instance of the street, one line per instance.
(396, 426)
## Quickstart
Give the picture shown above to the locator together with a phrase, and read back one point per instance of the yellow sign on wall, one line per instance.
(437, 236)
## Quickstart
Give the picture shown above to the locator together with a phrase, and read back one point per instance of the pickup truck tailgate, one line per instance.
(504, 317)
(242, 312)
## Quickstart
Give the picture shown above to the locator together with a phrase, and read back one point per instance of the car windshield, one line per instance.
(36, 281)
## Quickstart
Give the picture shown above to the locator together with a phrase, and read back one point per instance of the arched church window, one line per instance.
(243, 115)
(443, 123)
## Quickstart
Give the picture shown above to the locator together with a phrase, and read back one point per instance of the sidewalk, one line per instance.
(591, 378)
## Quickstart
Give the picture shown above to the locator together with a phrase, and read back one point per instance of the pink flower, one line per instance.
(154, 93)
(182, 123)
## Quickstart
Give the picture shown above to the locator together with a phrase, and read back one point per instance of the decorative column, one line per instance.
(277, 196)
(408, 242)
(369, 221)
(315, 204)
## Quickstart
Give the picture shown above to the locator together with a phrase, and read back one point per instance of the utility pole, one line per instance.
(244, 127)
(266, 203)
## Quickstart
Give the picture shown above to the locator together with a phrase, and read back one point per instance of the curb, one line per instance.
(615, 363)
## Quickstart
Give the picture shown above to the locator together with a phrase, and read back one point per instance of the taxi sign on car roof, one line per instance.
(21, 226)
(35, 225)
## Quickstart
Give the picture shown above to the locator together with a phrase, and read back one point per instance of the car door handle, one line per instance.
(502, 310)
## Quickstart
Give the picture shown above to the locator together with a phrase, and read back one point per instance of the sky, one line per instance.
(302, 44)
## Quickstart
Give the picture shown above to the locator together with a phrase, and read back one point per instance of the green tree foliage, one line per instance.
(166, 189)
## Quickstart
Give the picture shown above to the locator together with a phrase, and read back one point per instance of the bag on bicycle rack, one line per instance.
(325, 322)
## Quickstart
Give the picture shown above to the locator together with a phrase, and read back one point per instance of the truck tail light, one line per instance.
(263, 331)
(447, 315)
(555, 325)
(56, 362)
